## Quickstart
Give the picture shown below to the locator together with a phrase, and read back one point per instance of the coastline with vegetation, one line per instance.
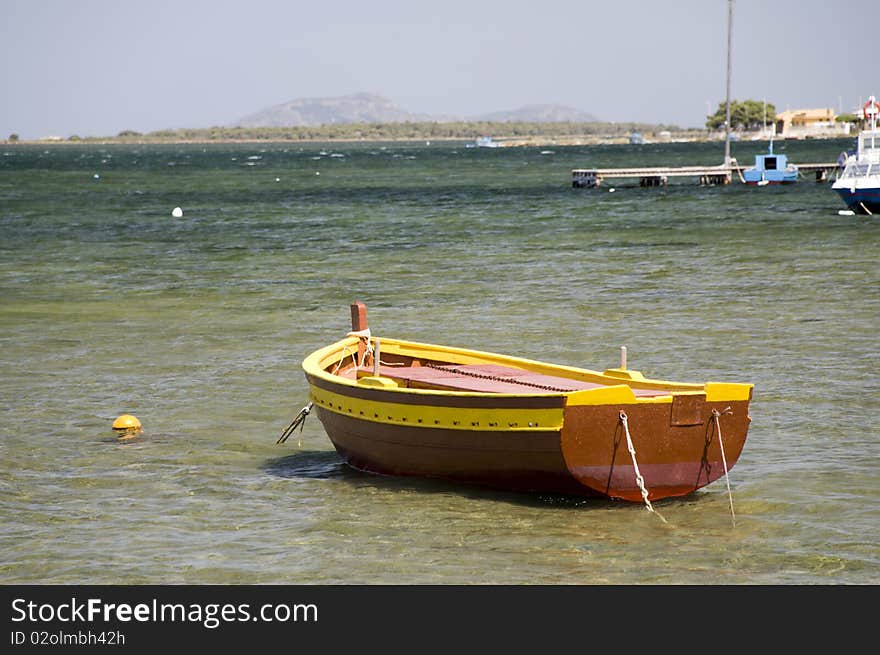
(748, 118)
(503, 133)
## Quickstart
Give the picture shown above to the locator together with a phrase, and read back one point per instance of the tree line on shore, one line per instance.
(750, 115)
(744, 116)
(383, 131)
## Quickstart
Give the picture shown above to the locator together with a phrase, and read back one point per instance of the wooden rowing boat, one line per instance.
(404, 408)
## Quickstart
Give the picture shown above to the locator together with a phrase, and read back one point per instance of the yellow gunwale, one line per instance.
(615, 390)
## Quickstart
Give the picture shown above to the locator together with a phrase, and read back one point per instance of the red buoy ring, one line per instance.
(871, 108)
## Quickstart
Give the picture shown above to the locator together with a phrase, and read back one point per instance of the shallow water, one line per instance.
(198, 326)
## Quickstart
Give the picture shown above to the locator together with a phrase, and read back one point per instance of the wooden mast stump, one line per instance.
(359, 324)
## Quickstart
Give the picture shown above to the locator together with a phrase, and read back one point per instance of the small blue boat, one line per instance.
(770, 169)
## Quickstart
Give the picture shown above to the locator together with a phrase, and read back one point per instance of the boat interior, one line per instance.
(420, 373)
(392, 363)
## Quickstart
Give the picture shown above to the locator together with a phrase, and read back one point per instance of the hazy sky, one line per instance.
(97, 67)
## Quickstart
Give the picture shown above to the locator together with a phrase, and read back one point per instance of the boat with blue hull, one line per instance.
(858, 185)
(770, 168)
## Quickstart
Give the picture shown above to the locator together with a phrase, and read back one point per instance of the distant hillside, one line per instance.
(371, 108)
(540, 114)
(311, 112)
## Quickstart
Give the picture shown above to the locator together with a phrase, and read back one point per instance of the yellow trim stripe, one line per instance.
(449, 418)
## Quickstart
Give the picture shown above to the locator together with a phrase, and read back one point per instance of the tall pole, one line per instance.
(727, 110)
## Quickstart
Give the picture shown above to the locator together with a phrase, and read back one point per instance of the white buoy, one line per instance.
(845, 212)
(317, 172)
(611, 190)
(177, 212)
(96, 176)
(277, 179)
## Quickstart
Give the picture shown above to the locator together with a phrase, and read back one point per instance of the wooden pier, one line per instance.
(590, 178)
(821, 171)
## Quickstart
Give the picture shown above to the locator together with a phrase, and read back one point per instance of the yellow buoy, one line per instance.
(127, 422)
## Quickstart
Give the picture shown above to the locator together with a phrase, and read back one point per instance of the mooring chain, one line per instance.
(496, 378)
(716, 415)
(639, 479)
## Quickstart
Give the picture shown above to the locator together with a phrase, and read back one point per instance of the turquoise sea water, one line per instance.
(198, 324)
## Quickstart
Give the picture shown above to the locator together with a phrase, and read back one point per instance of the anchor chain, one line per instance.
(639, 479)
(495, 378)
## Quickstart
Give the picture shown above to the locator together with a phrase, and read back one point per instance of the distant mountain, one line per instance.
(356, 108)
(371, 108)
(540, 114)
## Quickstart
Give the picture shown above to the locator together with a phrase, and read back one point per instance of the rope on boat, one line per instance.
(298, 422)
(365, 335)
(345, 354)
(716, 415)
(639, 479)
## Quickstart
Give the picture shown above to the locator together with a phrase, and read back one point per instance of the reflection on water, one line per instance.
(304, 464)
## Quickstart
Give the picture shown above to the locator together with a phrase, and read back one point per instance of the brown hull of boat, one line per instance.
(675, 455)
(529, 462)
(676, 444)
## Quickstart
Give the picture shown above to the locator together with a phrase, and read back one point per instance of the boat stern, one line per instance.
(678, 442)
